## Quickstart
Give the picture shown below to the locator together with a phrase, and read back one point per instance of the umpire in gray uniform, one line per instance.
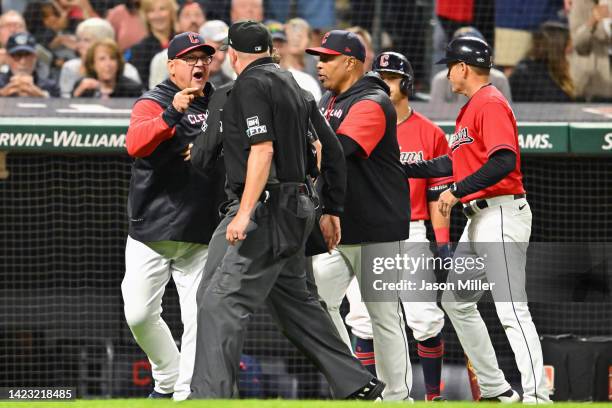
(256, 255)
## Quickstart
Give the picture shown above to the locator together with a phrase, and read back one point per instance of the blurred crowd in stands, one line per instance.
(545, 50)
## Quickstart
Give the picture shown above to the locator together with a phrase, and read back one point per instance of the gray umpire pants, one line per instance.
(267, 267)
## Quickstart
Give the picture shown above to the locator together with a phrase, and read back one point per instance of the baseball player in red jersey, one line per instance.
(485, 163)
(419, 139)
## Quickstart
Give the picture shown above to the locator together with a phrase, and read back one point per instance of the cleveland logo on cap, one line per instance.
(187, 42)
(338, 42)
(194, 38)
(384, 60)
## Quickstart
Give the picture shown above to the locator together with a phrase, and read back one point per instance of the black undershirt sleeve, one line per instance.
(439, 167)
(208, 145)
(333, 163)
(349, 145)
(499, 165)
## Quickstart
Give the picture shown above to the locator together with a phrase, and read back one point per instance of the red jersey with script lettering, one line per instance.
(420, 139)
(485, 125)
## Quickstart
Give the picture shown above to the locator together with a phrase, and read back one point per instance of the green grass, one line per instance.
(144, 403)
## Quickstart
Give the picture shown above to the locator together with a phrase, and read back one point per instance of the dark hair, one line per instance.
(189, 3)
(549, 45)
(132, 5)
(33, 15)
(91, 53)
(481, 70)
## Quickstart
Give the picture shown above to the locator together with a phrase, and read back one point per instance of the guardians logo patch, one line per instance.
(459, 138)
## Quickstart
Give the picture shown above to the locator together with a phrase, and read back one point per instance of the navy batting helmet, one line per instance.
(471, 50)
(396, 63)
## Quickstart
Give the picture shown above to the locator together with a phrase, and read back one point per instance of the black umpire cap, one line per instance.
(247, 36)
(471, 50)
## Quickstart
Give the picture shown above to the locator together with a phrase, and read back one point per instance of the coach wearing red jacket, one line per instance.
(172, 212)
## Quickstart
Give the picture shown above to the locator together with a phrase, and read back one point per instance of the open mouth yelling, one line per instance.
(198, 78)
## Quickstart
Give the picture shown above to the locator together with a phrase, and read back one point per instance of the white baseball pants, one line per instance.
(505, 223)
(333, 274)
(148, 268)
(425, 319)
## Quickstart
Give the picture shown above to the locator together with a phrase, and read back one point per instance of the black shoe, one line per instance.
(507, 397)
(372, 391)
(158, 395)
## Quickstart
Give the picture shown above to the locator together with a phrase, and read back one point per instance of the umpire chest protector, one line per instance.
(169, 199)
(377, 205)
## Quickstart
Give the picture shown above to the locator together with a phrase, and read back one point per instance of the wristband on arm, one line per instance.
(433, 193)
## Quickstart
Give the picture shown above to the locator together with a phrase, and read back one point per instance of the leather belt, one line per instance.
(285, 187)
(477, 205)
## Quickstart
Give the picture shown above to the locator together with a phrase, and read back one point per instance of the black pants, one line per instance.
(268, 266)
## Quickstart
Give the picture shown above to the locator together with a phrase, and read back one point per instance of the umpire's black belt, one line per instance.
(283, 188)
(475, 206)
